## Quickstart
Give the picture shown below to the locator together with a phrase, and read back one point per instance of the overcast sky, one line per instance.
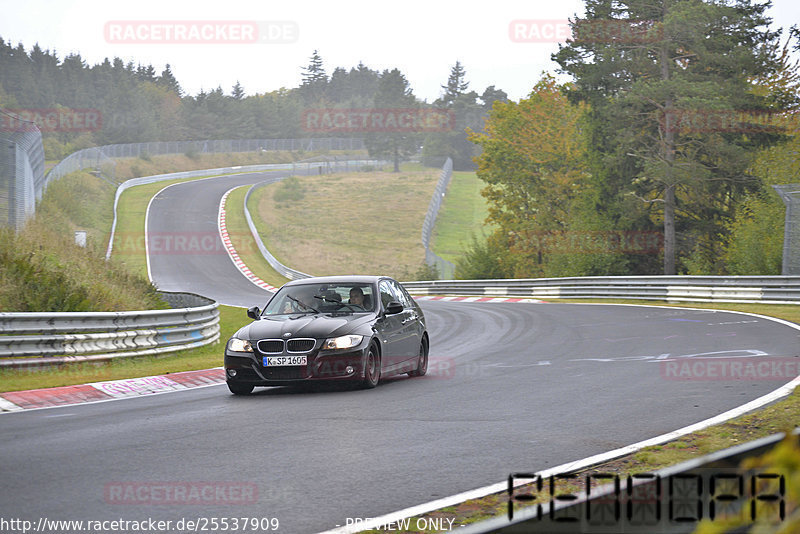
(423, 39)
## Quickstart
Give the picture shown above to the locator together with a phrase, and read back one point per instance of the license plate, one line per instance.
(277, 361)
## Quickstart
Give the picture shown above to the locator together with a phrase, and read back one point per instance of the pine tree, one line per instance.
(315, 80)
(168, 81)
(638, 63)
(394, 94)
(238, 91)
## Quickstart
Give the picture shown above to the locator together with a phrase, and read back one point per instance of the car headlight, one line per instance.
(342, 342)
(239, 345)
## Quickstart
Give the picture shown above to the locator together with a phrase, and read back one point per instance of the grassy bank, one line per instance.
(42, 269)
(462, 215)
(347, 223)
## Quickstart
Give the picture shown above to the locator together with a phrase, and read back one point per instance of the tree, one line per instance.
(644, 66)
(468, 114)
(315, 80)
(393, 97)
(491, 95)
(456, 85)
(533, 164)
(238, 91)
(169, 82)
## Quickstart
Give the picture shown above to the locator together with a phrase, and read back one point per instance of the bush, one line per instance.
(289, 190)
(481, 261)
(755, 244)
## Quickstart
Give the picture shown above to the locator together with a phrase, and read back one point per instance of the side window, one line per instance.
(387, 295)
(409, 299)
(400, 295)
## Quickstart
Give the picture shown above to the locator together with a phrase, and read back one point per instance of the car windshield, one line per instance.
(322, 298)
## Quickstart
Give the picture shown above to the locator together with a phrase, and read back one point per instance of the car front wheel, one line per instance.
(372, 368)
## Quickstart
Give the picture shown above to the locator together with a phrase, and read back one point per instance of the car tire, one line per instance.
(238, 388)
(422, 365)
(372, 368)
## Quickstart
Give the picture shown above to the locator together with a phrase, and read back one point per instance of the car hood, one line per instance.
(315, 326)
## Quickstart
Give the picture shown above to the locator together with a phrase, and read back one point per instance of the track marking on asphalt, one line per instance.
(231, 250)
(740, 353)
(499, 487)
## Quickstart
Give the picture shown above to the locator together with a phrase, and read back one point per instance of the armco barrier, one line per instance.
(283, 270)
(307, 167)
(742, 289)
(52, 338)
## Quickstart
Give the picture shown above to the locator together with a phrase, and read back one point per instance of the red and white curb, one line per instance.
(226, 240)
(478, 299)
(15, 401)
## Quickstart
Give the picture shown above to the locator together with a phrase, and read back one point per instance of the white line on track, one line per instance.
(477, 493)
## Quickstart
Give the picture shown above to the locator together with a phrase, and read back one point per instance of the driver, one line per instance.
(357, 297)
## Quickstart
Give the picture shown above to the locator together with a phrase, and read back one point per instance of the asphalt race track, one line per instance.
(512, 387)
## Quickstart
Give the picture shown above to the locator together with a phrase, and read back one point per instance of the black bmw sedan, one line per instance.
(356, 328)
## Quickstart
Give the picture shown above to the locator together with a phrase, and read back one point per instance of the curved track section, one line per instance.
(185, 249)
(512, 387)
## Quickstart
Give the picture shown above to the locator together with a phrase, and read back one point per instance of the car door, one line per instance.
(390, 329)
(410, 336)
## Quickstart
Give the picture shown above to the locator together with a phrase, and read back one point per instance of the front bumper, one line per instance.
(248, 368)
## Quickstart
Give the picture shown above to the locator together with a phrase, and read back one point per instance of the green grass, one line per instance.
(462, 215)
(41, 268)
(243, 241)
(347, 223)
(129, 246)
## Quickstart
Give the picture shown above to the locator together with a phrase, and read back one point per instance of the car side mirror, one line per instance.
(254, 313)
(394, 307)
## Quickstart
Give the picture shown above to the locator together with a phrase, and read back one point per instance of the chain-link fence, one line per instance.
(444, 268)
(98, 157)
(791, 235)
(21, 169)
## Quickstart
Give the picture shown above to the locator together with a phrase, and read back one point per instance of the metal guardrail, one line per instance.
(325, 165)
(671, 500)
(42, 338)
(283, 270)
(444, 267)
(97, 156)
(732, 289)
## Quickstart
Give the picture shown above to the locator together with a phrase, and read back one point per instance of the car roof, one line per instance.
(359, 279)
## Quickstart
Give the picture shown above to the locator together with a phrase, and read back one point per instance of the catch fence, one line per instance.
(21, 169)
(791, 234)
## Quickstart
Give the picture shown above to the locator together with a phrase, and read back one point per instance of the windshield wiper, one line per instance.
(303, 304)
